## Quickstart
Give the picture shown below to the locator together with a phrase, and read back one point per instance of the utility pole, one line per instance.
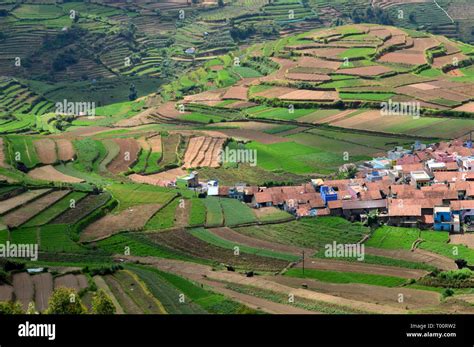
(303, 262)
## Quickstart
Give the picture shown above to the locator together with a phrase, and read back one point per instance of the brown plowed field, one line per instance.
(129, 149)
(360, 267)
(130, 219)
(43, 289)
(6, 292)
(469, 107)
(419, 256)
(23, 288)
(203, 152)
(365, 71)
(3, 162)
(318, 63)
(76, 282)
(65, 150)
(49, 173)
(254, 135)
(46, 150)
(412, 298)
(21, 199)
(308, 77)
(155, 143)
(462, 239)
(85, 206)
(184, 242)
(25, 213)
(159, 179)
(231, 235)
(310, 95)
(143, 143)
(238, 93)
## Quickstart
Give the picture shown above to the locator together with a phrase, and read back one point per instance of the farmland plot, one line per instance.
(184, 242)
(43, 284)
(132, 219)
(83, 208)
(214, 214)
(127, 156)
(56, 209)
(46, 150)
(65, 150)
(21, 199)
(203, 151)
(49, 173)
(23, 214)
(23, 288)
(76, 282)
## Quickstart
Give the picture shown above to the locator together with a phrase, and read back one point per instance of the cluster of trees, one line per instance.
(64, 59)
(64, 301)
(371, 15)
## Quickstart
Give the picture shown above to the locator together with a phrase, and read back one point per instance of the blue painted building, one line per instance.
(328, 194)
(443, 219)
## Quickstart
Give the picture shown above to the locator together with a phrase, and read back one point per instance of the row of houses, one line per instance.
(425, 186)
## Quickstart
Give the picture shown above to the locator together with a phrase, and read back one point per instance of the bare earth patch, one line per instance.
(65, 149)
(22, 215)
(43, 289)
(49, 173)
(159, 179)
(462, 239)
(129, 149)
(21, 199)
(46, 150)
(131, 219)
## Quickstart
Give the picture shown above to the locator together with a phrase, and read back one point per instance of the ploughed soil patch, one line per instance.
(127, 156)
(184, 242)
(131, 219)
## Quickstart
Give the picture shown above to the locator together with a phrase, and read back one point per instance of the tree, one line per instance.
(10, 308)
(220, 3)
(31, 308)
(132, 95)
(65, 301)
(102, 304)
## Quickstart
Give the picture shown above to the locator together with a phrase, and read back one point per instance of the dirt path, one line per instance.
(412, 298)
(197, 272)
(372, 269)
(418, 256)
(231, 235)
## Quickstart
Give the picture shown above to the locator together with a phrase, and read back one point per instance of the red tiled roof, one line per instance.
(335, 204)
(399, 208)
(263, 197)
(462, 205)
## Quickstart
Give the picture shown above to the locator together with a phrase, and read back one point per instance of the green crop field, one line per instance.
(309, 232)
(214, 214)
(236, 212)
(347, 277)
(209, 237)
(164, 218)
